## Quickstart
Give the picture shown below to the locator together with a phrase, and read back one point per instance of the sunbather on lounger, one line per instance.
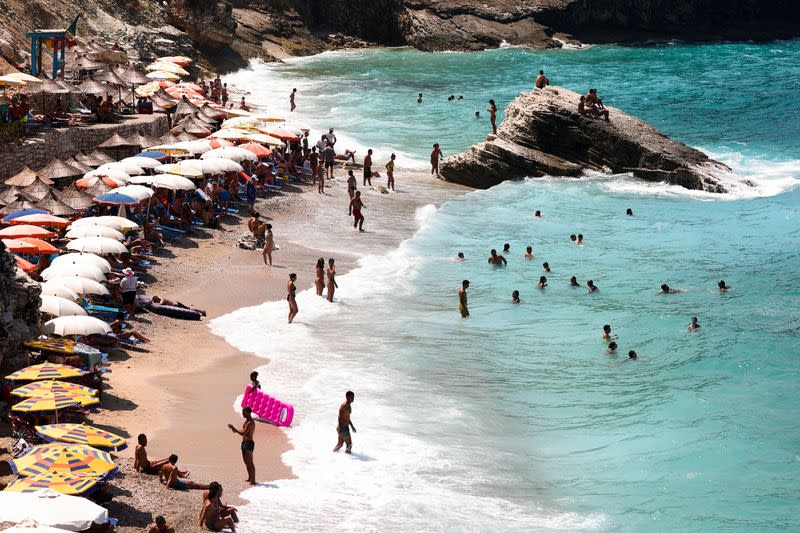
(164, 301)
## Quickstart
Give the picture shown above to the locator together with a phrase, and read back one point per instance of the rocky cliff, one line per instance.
(19, 311)
(543, 134)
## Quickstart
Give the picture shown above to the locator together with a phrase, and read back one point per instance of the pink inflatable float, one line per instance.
(267, 407)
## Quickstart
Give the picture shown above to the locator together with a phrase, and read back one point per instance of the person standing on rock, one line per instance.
(291, 100)
(541, 80)
(493, 116)
(435, 155)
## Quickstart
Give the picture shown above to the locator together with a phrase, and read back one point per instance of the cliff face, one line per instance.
(19, 311)
(543, 134)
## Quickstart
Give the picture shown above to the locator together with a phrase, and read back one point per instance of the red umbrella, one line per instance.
(26, 266)
(220, 143)
(20, 247)
(285, 135)
(40, 220)
(257, 149)
(25, 230)
(42, 247)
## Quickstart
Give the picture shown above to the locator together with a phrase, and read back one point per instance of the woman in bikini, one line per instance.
(290, 297)
(320, 281)
(331, 279)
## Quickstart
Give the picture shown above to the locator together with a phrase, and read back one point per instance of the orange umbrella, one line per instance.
(25, 230)
(257, 149)
(219, 143)
(283, 134)
(85, 183)
(20, 247)
(40, 220)
(26, 266)
(164, 84)
(42, 247)
(189, 85)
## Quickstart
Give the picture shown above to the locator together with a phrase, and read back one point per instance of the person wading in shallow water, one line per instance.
(345, 424)
(291, 289)
(356, 205)
(248, 444)
(462, 299)
(493, 116)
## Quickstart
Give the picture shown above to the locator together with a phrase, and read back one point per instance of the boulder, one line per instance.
(543, 134)
(19, 312)
(209, 23)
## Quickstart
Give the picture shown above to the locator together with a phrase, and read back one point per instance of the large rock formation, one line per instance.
(209, 23)
(543, 134)
(19, 311)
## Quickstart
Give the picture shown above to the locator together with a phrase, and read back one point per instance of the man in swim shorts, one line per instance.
(248, 444)
(462, 299)
(175, 479)
(345, 424)
(141, 463)
(356, 205)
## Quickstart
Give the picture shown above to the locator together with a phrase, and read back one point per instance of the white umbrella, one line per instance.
(129, 169)
(76, 325)
(94, 230)
(121, 224)
(116, 174)
(33, 527)
(263, 138)
(97, 245)
(187, 167)
(136, 191)
(230, 152)
(230, 133)
(57, 306)
(59, 290)
(242, 122)
(141, 162)
(51, 508)
(82, 259)
(195, 147)
(74, 271)
(80, 285)
(169, 181)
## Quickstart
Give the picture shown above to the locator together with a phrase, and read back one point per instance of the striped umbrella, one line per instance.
(62, 482)
(46, 371)
(48, 404)
(45, 388)
(82, 434)
(69, 458)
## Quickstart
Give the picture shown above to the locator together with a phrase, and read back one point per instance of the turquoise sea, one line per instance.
(516, 419)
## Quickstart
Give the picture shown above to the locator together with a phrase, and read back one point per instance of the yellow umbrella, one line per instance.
(52, 387)
(162, 75)
(62, 482)
(46, 371)
(67, 458)
(191, 168)
(82, 434)
(39, 404)
(167, 66)
(263, 138)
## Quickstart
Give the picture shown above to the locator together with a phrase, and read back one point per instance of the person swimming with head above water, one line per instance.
(496, 259)
(542, 282)
(722, 286)
(591, 287)
(632, 355)
(665, 289)
(579, 242)
(546, 266)
(515, 297)
(629, 212)
(538, 214)
(607, 335)
(573, 282)
(528, 252)
(573, 238)
(694, 325)
(506, 248)
(419, 98)
(460, 257)
(612, 348)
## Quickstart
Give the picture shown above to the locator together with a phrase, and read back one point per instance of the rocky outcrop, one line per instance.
(543, 134)
(19, 311)
(209, 23)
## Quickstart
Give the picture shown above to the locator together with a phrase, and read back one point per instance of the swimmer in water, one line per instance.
(451, 98)
(419, 98)
(722, 286)
(542, 282)
(665, 289)
(579, 242)
(538, 214)
(477, 115)
(497, 259)
(632, 355)
(506, 248)
(591, 287)
(573, 282)
(460, 256)
(573, 238)
(607, 335)
(546, 266)
(528, 252)
(515, 297)
(694, 325)
(629, 212)
(462, 299)
(612, 348)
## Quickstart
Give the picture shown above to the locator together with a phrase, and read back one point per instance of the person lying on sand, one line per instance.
(349, 155)
(163, 301)
(141, 463)
(161, 526)
(175, 479)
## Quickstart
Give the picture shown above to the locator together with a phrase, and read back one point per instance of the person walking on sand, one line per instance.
(332, 286)
(329, 157)
(368, 168)
(291, 291)
(352, 184)
(319, 281)
(356, 205)
(248, 444)
(462, 299)
(345, 424)
(541, 80)
(493, 116)
(128, 286)
(269, 244)
(435, 155)
(390, 172)
(254, 383)
(292, 107)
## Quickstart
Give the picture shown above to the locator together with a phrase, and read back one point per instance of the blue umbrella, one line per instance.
(115, 198)
(22, 213)
(154, 154)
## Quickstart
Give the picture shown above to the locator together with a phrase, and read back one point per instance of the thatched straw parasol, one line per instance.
(185, 107)
(102, 157)
(76, 198)
(111, 77)
(17, 206)
(53, 204)
(74, 163)
(99, 187)
(25, 177)
(88, 160)
(93, 87)
(38, 189)
(57, 169)
(117, 141)
(10, 195)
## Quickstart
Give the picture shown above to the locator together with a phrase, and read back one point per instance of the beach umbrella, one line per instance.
(257, 149)
(141, 162)
(233, 153)
(21, 213)
(16, 206)
(188, 167)
(37, 190)
(237, 112)
(57, 289)
(117, 141)
(153, 154)
(170, 149)
(101, 156)
(76, 325)
(86, 63)
(19, 78)
(72, 89)
(166, 66)
(132, 76)
(30, 526)
(97, 245)
(219, 166)
(12, 194)
(74, 459)
(57, 306)
(94, 230)
(42, 247)
(25, 230)
(46, 371)
(180, 60)
(263, 138)
(91, 86)
(283, 134)
(166, 181)
(26, 177)
(88, 160)
(77, 165)
(51, 508)
(111, 77)
(135, 191)
(82, 434)
(54, 205)
(121, 224)
(49, 404)
(114, 198)
(18, 246)
(101, 183)
(83, 259)
(40, 219)
(185, 107)
(59, 481)
(210, 111)
(25, 265)
(195, 147)
(82, 286)
(53, 387)
(73, 271)
(75, 198)
(241, 122)
(118, 168)
(231, 134)
(57, 169)
(162, 75)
